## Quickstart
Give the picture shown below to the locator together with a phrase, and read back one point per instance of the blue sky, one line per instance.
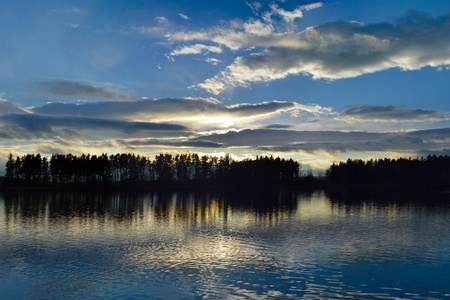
(315, 81)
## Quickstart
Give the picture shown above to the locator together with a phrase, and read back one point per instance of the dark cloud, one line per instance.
(169, 108)
(277, 126)
(158, 142)
(268, 137)
(391, 114)
(69, 89)
(24, 125)
(8, 107)
(445, 151)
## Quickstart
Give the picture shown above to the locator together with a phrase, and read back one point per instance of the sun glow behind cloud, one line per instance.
(303, 81)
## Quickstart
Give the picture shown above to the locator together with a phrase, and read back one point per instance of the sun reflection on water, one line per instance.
(255, 245)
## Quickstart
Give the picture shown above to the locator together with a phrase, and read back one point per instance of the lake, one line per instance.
(247, 245)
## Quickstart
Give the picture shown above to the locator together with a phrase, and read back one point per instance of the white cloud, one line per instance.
(339, 50)
(188, 36)
(196, 49)
(311, 6)
(254, 6)
(213, 61)
(183, 16)
(162, 20)
(265, 32)
(287, 16)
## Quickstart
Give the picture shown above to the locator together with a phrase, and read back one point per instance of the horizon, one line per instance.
(318, 82)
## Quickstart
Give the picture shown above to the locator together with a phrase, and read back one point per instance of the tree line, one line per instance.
(190, 169)
(165, 169)
(432, 170)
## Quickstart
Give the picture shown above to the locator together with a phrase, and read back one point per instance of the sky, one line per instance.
(319, 82)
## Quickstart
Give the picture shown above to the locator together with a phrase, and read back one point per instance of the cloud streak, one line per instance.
(390, 113)
(70, 89)
(196, 49)
(31, 125)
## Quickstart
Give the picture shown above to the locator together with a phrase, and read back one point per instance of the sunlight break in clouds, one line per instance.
(171, 109)
(339, 50)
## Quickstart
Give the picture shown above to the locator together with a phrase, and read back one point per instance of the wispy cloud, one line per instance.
(161, 27)
(183, 16)
(196, 49)
(213, 61)
(67, 88)
(254, 6)
(390, 114)
(74, 10)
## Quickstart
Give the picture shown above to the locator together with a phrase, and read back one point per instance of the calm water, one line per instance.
(214, 245)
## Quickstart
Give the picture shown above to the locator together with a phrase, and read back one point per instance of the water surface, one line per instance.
(272, 244)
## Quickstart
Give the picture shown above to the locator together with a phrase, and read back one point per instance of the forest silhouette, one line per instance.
(430, 171)
(190, 170)
(165, 170)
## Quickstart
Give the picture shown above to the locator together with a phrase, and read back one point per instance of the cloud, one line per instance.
(254, 6)
(333, 142)
(338, 50)
(166, 109)
(166, 143)
(31, 125)
(390, 114)
(74, 10)
(265, 32)
(196, 49)
(70, 89)
(287, 16)
(277, 126)
(213, 61)
(188, 36)
(162, 26)
(8, 107)
(183, 16)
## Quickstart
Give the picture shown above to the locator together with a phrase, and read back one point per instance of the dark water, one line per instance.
(225, 245)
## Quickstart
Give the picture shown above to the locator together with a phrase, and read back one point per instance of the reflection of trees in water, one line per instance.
(186, 206)
(390, 200)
